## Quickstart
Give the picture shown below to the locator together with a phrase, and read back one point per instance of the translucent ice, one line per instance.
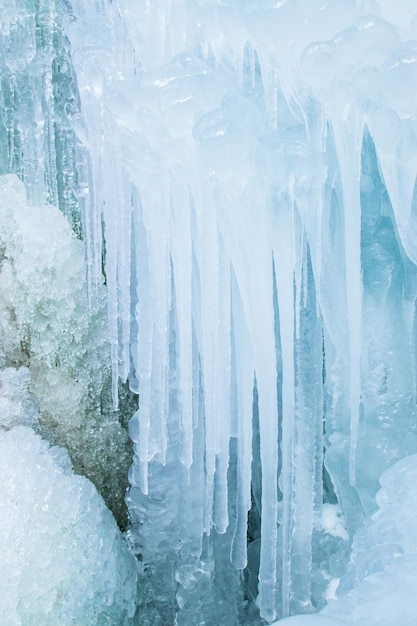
(381, 582)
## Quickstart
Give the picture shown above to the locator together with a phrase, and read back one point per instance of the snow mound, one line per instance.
(64, 561)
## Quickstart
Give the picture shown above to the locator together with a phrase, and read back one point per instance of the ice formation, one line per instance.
(380, 584)
(45, 326)
(245, 173)
(63, 559)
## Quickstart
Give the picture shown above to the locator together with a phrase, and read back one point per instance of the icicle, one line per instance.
(106, 200)
(209, 276)
(155, 216)
(307, 443)
(311, 201)
(348, 141)
(223, 380)
(299, 270)
(142, 350)
(91, 224)
(244, 372)
(396, 145)
(284, 272)
(181, 254)
(268, 422)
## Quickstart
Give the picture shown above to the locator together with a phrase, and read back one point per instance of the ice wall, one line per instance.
(379, 587)
(245, 171)
(254, 165)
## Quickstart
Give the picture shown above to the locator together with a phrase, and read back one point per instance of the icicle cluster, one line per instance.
(253, 164)
(36, 90)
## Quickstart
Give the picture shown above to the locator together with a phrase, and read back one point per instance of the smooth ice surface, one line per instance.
(63, 559)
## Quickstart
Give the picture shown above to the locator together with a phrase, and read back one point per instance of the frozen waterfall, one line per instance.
(243, 176)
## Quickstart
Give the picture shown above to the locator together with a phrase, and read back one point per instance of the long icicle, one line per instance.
(348, 141)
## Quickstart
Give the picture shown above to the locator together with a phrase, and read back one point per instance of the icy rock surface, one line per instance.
(45, 325)
(63, 558)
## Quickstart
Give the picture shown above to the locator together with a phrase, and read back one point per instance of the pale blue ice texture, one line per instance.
(253, 166)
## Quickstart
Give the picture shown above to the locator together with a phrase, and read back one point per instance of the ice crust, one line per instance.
(63, 558)
(17, 405)
(46, 326)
